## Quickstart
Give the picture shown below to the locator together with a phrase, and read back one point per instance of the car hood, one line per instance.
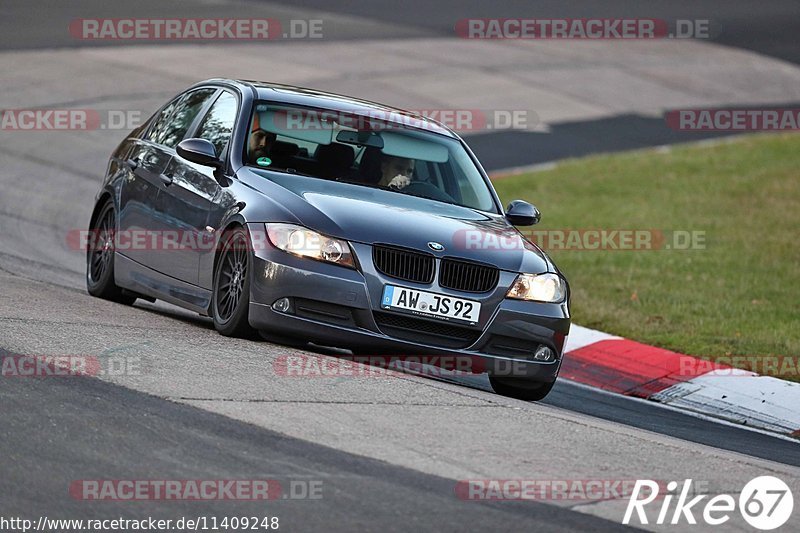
(369, 215)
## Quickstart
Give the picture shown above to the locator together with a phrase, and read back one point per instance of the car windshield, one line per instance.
(368, 151)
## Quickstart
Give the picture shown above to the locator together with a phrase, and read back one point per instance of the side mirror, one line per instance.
(521, 213)
(199, 151)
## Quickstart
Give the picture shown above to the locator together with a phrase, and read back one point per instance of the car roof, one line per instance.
(290, 94)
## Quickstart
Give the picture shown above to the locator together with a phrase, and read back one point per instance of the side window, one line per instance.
(218, 123)
(186, 110)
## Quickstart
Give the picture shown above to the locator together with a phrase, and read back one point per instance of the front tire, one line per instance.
(230, 304)
(521, 389)
(100, 258)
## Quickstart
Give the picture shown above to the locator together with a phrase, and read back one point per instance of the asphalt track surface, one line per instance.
(388, 451)
(100, 429)
(771, 29)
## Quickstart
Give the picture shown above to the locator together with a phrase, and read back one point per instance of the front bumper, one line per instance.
(337, 306)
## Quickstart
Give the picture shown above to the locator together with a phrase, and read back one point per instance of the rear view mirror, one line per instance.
(361, 138)
(199, 151)
(521, 213)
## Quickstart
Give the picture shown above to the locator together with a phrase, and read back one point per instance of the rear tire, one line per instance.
(100, 258)
(521, 389)
(230, 305)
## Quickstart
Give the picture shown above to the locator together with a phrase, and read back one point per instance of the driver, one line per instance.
(261, 142)
(396, 172)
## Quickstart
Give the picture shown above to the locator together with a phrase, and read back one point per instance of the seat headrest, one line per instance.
(334, 159)
(369, 170)
(279, 148)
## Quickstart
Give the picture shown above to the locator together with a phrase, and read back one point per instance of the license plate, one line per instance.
(429, 304)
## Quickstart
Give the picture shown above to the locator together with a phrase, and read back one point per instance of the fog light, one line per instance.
(282, 305)
(543, 353)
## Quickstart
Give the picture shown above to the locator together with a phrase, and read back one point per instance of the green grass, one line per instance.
(738, 296)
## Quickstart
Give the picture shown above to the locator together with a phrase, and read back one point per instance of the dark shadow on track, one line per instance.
(76, 428)
(508, 149)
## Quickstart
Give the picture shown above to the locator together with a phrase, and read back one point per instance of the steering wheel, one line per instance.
(427, 190)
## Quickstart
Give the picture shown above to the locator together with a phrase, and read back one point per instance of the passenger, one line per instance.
(396, 172)
(261, 142)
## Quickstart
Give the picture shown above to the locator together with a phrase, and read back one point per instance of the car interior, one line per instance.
(331, 152)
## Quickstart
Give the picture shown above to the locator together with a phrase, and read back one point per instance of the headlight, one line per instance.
(300, 241)
(540, 288)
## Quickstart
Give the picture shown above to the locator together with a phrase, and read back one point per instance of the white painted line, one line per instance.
(740, 397)
(759, 401)
(580, 336)
(683, 410)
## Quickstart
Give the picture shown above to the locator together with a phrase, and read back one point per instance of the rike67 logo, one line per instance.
(765, 503)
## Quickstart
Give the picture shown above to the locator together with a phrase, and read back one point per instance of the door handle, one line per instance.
(166, 179)
(133, 164)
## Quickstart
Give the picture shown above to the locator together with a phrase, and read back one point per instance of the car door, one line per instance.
(145, 163)
(189, 197)
(164, 257)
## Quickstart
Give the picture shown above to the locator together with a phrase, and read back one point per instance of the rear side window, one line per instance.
(170, 128)
(218, 123)
(163, 120)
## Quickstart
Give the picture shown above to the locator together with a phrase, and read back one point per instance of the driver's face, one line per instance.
(260, 142)
(392, 166)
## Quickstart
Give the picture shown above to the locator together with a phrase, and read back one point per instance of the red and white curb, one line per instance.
(627, 367)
